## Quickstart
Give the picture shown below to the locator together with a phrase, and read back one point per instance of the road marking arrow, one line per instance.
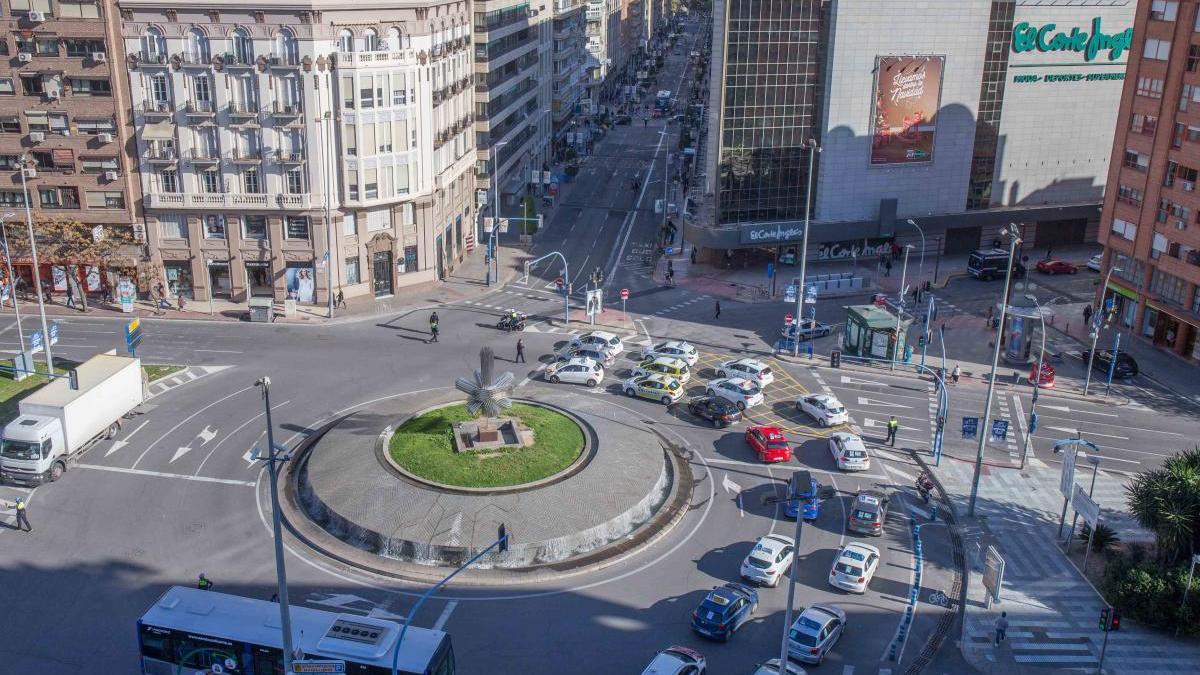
(1070, 430)
(855, 380)
(249, 457)
(180, 453)
(206, 435)
(733, 487)
(1063, 408)
(870, 401)
(117, 445)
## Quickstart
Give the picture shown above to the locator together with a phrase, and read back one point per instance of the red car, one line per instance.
(769, 444)
(1056, 266)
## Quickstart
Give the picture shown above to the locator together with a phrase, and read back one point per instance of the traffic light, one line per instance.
(1115, 624)
(73, 379)
(1032, 422)
(1105, 619)
(941, 422)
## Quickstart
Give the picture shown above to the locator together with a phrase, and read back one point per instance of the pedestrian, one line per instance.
(1087, 314)
(957, 373)
(520, 351)
(203, 583)
(887, 267)
(340, 299)
(1049, 249)
(22, 516)
(1001, 627)
(893, 425)
(717, 314)
(157, 300)
(180, 301)
(433, 327)
(70, 296)
(693, 254)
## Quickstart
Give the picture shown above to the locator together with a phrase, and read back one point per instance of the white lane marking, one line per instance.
(120, 443)
(862, 400)
(855, 380)
(183, 450)
(445, 615)
(1107, 424)
(1063, 408)
(231, 434)
(218, 351)
(1074, 431)
(736, 489)
(160, 474)
(185, 421)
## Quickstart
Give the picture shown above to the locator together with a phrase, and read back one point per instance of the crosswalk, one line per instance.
(682, 305)
(189, 374)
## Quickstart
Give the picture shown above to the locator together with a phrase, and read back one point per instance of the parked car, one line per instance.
(1056, 266)
(868, 513)
(769, 444)
(853, 567)
(677, 660)
(724, 610)
(814, 633)
(768, 560)
(1126, 365)
(1093, 263)
(824, 408)
(808, 330)
(719, 411)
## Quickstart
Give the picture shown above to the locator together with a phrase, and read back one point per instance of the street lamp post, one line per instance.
(813, 151)
(799, 480)
(1037, 378)
(326, 140)
(987, 406)
(900, 304)
(914, 224)
(208, 263)
(37, 274)
(1096, 323)
(492, 247)
(273, 461)
(12, 288)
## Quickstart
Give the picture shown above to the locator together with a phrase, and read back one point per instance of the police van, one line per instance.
(991, 264)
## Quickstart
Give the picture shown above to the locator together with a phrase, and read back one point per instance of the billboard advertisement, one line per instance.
(908, 92)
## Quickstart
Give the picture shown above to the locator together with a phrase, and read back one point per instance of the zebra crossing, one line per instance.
(682, 305)
(189, 374)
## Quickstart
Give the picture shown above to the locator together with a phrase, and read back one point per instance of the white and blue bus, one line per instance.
(194, 632)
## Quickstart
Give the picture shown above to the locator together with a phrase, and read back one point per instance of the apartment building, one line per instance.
(570, 63)
(294, 151)
(62, 118)
(513, 82)
(1150, 226)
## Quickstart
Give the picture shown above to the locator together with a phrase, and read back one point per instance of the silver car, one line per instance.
(814, 633)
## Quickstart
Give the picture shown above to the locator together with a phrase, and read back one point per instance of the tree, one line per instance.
(68, 244)
(1166, 501)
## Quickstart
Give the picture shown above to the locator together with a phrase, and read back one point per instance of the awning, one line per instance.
(63, 157)
(158, 130)
(1121, 290)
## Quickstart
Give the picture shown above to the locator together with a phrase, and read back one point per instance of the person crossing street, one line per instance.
(520, 352)
(892, 427)
(717, 314)
(433, 327)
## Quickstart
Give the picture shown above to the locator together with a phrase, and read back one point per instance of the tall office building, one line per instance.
(63, 121)
(269, 173)
(1151, 220)
(570, 60)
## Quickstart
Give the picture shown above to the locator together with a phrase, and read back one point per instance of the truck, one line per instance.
(57, 422)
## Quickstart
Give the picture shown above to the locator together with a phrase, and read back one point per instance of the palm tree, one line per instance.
(1166, 501)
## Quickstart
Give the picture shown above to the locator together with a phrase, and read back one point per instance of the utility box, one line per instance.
(262, 310)
(871, 332)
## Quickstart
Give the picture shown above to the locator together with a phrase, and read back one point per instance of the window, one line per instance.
(295, 182)
(10, 125)
(11, 198)
(1124, 228)
(98, 126)
(22, 6)
(99, 164)
(1196, 301)
(366, 91)
(370, 40)
(32, 85)
(348, 92)
(350, 139)
(3, 47)
(402, 179)
(89, 87)
(1158, 50)
(214, 226)
(46, 46)
(84, 48)
(1168, 288)
(202, 88)
(243, 47)
(38, 120)
(210, 181)
(384, 137)
(1163, 10)
(349, 225)
(352, 272)
(254, 227)
(158, 90)
(153, 44)
(250, 183)
(168, 180)
(1136, 160)
(371, 184)
(1143, 124)
(1147, 86)
(172, 226)
(1177, 135)
(1129, 195)
(59, 197)
(407, 216)
(345, 41)
(73, 9)
(1193, 58)
(368, 138)
(198, 47)
(379, 220)
(287, 48)
(295, 227)
(107, 199)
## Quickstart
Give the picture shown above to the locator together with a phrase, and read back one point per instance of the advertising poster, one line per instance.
(126, 293)
(301, 286)
(908, 93)
(60, 278)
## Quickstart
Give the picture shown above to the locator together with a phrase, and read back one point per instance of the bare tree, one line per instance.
(68, 244)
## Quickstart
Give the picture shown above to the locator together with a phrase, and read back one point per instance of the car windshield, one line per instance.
(758, 562)
(849, 570)
(802, 639)
(20, 450)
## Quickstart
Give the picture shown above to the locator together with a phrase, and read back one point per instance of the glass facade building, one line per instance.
(770, 108)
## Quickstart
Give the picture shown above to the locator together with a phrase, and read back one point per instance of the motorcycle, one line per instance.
(508, 323)
(924, 485)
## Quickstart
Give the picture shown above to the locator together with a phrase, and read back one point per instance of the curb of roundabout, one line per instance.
(348, 556)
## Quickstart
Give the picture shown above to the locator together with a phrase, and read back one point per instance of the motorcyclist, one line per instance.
(924, 485)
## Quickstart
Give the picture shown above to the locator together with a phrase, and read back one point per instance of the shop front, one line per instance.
(1169, 331)
(219, 281)
(178, 274)
(258, 278)
(301, 282)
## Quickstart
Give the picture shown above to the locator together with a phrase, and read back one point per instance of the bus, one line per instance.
(194, 632)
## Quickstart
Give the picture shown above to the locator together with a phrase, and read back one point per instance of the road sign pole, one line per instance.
(1112, 365)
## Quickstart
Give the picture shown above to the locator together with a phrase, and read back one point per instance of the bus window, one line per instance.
(266, 660)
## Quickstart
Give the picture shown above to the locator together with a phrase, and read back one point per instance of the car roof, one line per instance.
(678, 344)
(826, 398)
(728, 592)
(747, 361)
(768, 431)
(669, 360)
(739, 382)
(820, 613)
(600, 334)
(655, 377)
(580, 361)
(848, 438)
(861, 548)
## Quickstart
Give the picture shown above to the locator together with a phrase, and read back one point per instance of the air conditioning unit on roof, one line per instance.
(37, 17)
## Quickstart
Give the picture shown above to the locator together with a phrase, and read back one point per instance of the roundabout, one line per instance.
(357, 494)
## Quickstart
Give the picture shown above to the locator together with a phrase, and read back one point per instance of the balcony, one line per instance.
(289, 156)
(147, 59)
(194, 59)
(239, 110)
(233, 60)
(204, 156)
(157, 109)
(284, 60)
(247, 156)
(165, 200)
(201, 109)
(161, 155)
(282, 110)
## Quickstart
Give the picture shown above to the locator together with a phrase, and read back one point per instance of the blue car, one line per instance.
(724, 610)
(808, 497)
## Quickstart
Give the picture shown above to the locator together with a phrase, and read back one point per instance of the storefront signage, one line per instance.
(857, 248)
(1047, 38)
(1067, 77)
(771, 234)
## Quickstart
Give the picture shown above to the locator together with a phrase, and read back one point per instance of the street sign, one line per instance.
(481, 197)
(789, 293)
(1067, 480)
(993, 572)
(810, 296)
(970, 427)
(53, 333)
(787, 319)
(504, 226)
(770, 270)
(35, 342)
(594, 302)
(1084, 506)
(487, 225)
(999, 430)
(133, 335)
(318, 666)
(624, 293)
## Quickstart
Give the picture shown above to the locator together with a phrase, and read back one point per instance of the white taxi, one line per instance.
(849, 451)
(825, 409)
(768, 560)
(854, 566)
(676, 349)
(742, 393)
(600, 341)
(748, 369)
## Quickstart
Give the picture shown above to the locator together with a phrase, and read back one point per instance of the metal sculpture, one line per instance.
(488, 394)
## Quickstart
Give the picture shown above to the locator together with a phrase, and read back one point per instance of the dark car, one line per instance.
(724, 610)
(1126, 366)
(721, 412)
(992, 264)
(868, 513)
(622, 119)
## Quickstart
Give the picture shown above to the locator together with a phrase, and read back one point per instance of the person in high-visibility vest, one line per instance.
(892, 427)
(203, 583)
(22, 516)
